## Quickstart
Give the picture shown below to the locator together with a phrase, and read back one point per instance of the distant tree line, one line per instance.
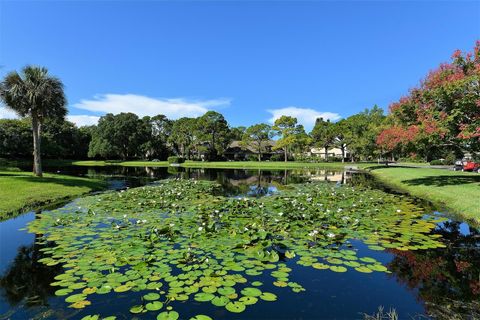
(439, 118)
(126, 136)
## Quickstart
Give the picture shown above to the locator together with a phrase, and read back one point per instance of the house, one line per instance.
(331, 153)
(238, 150)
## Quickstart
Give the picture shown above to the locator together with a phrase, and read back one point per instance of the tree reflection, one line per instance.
(447, 279)
(27, 279)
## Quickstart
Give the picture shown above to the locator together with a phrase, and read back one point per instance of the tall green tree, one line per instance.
(360, 132)
(119, 136)
(36, 94)
(287, 129)
(157, 145)
(213, 128)
(236, 133)
(257, 137)
(323, 135)
(183, 136)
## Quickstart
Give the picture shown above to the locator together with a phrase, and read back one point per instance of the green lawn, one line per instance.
(220, 164)
(459, 192)
(20, 191)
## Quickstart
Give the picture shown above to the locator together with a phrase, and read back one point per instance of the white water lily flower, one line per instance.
(331, 235)
(143, 221)
(280, 214)
(216, 211)
(171, 224)
(200, 228)
(124, 215)
(309, 199)
(398, 210)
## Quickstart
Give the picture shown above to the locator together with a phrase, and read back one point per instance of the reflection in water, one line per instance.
(27, 280)
(447, 279)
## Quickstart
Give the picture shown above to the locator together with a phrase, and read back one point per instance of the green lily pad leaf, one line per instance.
(201, 317)
(220, 301)
(63, 292)
(251, 292)
(151, 296)
(235, 307)
(377, 267)
(225, 291)
(136, 309)
(368, 260)
(267, 296)
(204, 296)
(154, 306)
(257, 283)
(122, 288)
(248, 300)
(377, 248)
(168, 315)
(104, 290)
(320, 266)
(75, 298)
(363, 269)
(338, 269)
(92, 317)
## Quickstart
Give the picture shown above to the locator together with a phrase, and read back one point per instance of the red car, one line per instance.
(471, 166)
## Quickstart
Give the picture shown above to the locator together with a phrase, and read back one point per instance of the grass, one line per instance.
(219, 164)
(21, 191)
(458, 192)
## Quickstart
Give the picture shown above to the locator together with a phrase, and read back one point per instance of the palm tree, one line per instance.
(35, 94)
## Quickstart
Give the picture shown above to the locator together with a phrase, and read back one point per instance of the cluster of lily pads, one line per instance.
(181, 240)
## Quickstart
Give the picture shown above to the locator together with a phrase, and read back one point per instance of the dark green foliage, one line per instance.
(122, 136)
(175, 159)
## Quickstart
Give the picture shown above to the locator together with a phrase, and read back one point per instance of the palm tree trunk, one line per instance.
(343, 154)
(37, 161)
(285, 153)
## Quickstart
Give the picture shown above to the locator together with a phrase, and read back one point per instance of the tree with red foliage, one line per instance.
(443, 112)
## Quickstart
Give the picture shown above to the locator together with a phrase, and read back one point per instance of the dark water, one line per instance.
(439, 283)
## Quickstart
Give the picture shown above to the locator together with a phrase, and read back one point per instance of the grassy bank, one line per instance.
(20, 191)
(219, 164)
(458, 192)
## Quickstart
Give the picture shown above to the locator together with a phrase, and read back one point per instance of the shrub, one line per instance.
(175, 159)
(276, 157)
(436, 162)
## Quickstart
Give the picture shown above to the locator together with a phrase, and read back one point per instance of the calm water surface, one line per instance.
(438, 283)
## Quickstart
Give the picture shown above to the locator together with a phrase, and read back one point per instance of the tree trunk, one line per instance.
(326, 153)
(259, 157)
(37, 160)
(343, 154)
(285, 153)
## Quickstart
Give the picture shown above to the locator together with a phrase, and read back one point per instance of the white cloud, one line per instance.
(146, 106)
(304, 116)
(7, 114)
(83, 120)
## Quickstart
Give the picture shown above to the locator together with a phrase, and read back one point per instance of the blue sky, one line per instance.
(249, 60)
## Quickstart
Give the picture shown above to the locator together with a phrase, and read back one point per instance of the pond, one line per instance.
(255, 244)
